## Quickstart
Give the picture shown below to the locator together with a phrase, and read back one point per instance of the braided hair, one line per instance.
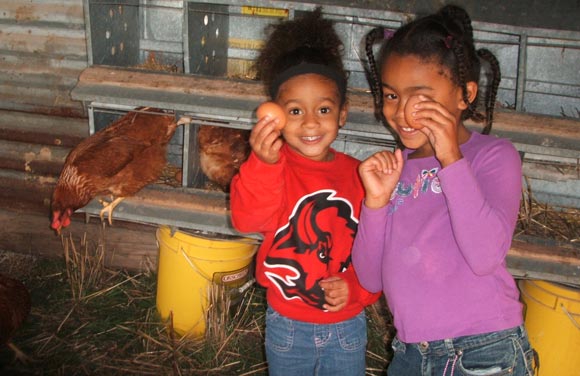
(309, 39)
(446, 38)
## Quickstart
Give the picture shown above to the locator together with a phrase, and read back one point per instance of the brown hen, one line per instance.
(14, 308)
(221, 152)
(118, 161)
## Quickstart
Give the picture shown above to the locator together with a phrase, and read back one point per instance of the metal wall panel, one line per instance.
(42, 52)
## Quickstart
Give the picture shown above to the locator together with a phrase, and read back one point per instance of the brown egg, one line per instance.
(274, 111)
(409, 109)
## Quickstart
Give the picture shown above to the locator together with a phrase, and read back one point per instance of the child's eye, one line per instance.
(390, 96)
(295, 111)
(325, 110)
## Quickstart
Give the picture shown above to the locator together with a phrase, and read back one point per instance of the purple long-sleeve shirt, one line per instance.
(438, 249)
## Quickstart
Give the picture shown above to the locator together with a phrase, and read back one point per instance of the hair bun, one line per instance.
(458, 21)
(309, 38)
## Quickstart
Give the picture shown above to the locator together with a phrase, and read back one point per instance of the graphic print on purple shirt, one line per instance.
(425, 180)
(302, 250)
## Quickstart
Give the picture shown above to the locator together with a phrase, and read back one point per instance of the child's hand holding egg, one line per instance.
(411, 120)
(274, 111)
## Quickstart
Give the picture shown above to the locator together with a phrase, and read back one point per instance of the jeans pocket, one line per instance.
(398, 346)
(352, 334)
(279, 331)
(492, 359)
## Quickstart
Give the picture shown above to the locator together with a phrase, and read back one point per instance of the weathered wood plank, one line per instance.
(507, 122)
(53, 11)
(127, 245)
(43, 40)
(37, 100)
(42, 129)
(14, 61)
(54, 80)
(32, 158)
(26, 192)
(184, 84)
(552, 263)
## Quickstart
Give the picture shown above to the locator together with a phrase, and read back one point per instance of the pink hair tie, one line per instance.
(388, 33)
(448, 41)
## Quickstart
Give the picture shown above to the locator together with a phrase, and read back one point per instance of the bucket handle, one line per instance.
(574, 322)
(194, 267)
(566, 312)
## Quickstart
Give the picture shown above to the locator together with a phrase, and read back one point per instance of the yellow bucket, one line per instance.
(552, 319)
(188, 266)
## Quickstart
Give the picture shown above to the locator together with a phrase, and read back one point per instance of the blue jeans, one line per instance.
(505, 352)
(303, 349)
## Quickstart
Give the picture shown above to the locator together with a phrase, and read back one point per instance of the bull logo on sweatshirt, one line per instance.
(314, 244)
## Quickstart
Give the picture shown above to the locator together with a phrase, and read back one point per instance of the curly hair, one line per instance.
(307, 39)
(445, 38)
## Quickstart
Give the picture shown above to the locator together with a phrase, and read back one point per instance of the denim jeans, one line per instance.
(505, 352)
(304, 349)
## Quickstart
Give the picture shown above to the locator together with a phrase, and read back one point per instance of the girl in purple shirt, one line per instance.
(438, 217)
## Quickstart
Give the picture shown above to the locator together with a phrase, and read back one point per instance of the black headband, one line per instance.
(305, 68)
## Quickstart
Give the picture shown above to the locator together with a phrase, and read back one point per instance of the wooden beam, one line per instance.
(540, 130)
(127, 245)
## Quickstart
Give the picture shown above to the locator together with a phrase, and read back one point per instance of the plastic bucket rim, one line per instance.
(237, 240)
(558, 306)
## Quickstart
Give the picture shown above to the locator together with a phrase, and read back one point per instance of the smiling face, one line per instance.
(404, 77)
(313, 108)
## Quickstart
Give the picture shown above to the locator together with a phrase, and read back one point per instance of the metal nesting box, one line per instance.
(195, 57)
(221, 38)
(135, 33)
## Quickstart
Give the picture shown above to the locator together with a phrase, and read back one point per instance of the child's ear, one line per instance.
(343, 115)
(472, 88)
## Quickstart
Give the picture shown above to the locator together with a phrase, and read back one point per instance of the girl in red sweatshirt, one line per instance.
(304, 198)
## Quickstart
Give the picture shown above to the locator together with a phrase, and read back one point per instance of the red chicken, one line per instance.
(118, 161)
(221, 152)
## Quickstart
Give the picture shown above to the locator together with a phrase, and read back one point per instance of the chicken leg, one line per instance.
(108, 208)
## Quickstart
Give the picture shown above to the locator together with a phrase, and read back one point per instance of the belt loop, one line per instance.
(449, 346)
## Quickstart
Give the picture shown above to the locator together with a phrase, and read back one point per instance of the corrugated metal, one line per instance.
(42, 52)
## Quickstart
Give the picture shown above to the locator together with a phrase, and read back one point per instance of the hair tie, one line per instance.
(388, 33)
(448, 41)
(305, 68)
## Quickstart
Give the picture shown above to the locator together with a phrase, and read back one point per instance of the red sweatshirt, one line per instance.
(307, 212)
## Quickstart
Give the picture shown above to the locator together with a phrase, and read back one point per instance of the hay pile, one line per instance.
(548, 224)
(87, 319)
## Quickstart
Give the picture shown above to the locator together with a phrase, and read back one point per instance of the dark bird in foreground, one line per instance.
(117, 161)
(14, 308)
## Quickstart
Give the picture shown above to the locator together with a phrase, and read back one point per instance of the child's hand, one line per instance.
(265, 140)
(335, 293)
(440, 126)
(380, 174)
